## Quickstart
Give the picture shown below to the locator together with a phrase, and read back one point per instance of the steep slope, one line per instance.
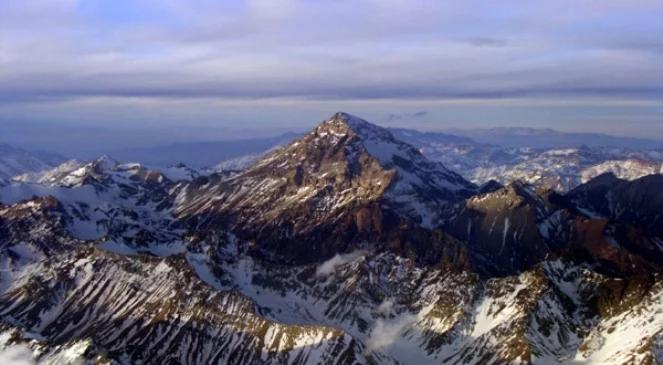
(368, 308)
(125, 205)
(155, 311)
(346, 184)
(639, 201)
(558, 168)
(630, 212)
(510, 229)
(180, 172)
(555, 313)
(29, 232)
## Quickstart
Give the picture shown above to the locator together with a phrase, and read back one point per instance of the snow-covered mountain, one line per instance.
(337, 187)
(346, 246)
(565, 169)
(627, 169)
(15, 161)
(119, 204)
(559, 168)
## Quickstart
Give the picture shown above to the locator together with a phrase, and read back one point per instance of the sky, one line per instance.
(205, 69)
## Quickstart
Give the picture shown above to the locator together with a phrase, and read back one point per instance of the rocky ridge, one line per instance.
(347, 246)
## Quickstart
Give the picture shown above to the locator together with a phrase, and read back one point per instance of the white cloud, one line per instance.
(386, 307)
(386, 332)
(330, 265)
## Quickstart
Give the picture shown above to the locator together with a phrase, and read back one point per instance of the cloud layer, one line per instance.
(328, 267)
(151, 53)
(345, 49)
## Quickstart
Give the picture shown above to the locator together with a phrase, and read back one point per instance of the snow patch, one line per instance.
(16, 355)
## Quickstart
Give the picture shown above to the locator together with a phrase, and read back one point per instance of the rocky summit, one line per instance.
(345, 246)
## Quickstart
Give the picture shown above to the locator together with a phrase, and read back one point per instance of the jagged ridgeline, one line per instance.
(345, 246)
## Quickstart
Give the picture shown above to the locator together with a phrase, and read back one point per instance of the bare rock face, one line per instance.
(347, 183)
(31, 231)
(513, 228)
(638, 202)
(509, 229)
(617, 223)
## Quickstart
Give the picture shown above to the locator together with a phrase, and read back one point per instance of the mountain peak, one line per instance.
(347, 178)
(375, 140)
(350, 120)
(419, 187)
(347, 118)
(342, 123)
(105, 163)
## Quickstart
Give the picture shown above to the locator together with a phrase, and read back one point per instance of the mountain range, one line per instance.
(550, 138)
(541, 157)
(16, 161)
(561, 168)
(561, 164)
(352, 244)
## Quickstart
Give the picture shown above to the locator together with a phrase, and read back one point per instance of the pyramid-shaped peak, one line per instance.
(342, 123)
(342, 117)
(105, 162)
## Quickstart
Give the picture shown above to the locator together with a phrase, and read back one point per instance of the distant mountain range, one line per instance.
(560, 168)
(537, 156)
(549, 138)
(347, 245)
(200, 154)
(15, 161)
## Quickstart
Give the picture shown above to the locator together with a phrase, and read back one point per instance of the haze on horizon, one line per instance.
(190, 70)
